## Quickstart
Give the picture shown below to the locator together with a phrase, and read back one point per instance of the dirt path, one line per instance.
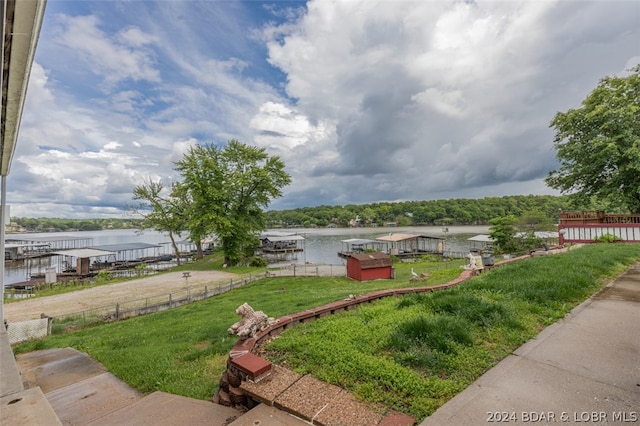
(96, 297)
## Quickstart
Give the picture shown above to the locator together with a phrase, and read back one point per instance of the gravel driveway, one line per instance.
(76, 301)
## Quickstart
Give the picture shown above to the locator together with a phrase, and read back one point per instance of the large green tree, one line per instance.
(598, 145)
(228, 188)
(161, 210)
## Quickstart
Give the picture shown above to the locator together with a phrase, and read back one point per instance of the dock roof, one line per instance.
(83, 253)
(403, 237)
(283, 238)
(359, 241)
(481, 238)
(125, 246)
(47, 238)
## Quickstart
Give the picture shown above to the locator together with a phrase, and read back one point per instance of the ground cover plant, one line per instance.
(184, 351)
(414, 353)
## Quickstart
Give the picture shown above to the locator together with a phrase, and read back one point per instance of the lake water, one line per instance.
(321, 245)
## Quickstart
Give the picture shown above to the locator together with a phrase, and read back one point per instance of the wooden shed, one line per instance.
(369, 266)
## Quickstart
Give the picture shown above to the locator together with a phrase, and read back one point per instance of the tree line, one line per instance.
(45, 224)
(415, 213)
(406, 213)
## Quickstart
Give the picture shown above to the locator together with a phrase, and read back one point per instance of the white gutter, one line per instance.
(22, 38)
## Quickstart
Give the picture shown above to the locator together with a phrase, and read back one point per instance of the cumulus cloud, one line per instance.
(365, 101)
(114, 59)
(430, 98)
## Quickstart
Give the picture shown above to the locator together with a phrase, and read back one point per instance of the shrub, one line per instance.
(607, 238)
(104, 276)
(258, 262)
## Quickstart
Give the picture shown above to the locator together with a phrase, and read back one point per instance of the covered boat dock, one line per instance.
(81, 259)
(481, 242)
(14, 252)
(281, 242)
(361, 245)
(111, 256)
(409, 245)
(29, 246)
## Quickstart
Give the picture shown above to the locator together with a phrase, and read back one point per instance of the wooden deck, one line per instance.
(596, 217)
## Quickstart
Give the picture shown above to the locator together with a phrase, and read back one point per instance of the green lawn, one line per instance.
(414, 353)
(411, 354)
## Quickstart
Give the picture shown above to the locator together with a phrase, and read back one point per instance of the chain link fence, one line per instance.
(189, 294)
(28, 330)
(308, 270)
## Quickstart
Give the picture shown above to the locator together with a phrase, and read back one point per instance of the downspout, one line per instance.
(3, 184)
(3, 208)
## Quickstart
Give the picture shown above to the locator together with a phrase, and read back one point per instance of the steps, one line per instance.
(82, 392)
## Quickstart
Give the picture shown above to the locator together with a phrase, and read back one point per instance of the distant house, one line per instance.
(369, 266)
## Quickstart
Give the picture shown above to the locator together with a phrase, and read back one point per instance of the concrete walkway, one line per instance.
(584, 369)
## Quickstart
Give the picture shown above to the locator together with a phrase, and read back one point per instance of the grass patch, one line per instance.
(437, 333)
(415, 353)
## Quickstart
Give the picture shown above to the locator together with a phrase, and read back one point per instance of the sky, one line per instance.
(364, 101)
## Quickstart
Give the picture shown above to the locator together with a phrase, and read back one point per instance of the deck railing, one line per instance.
(596, 216)
(622, 218)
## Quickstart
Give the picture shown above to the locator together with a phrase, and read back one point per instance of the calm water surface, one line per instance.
(321, 245)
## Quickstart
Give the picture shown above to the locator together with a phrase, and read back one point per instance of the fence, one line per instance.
(27, 330)
(147, 305)
(158, 303)
(308, 270)
(455, 254)
(587, 233)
